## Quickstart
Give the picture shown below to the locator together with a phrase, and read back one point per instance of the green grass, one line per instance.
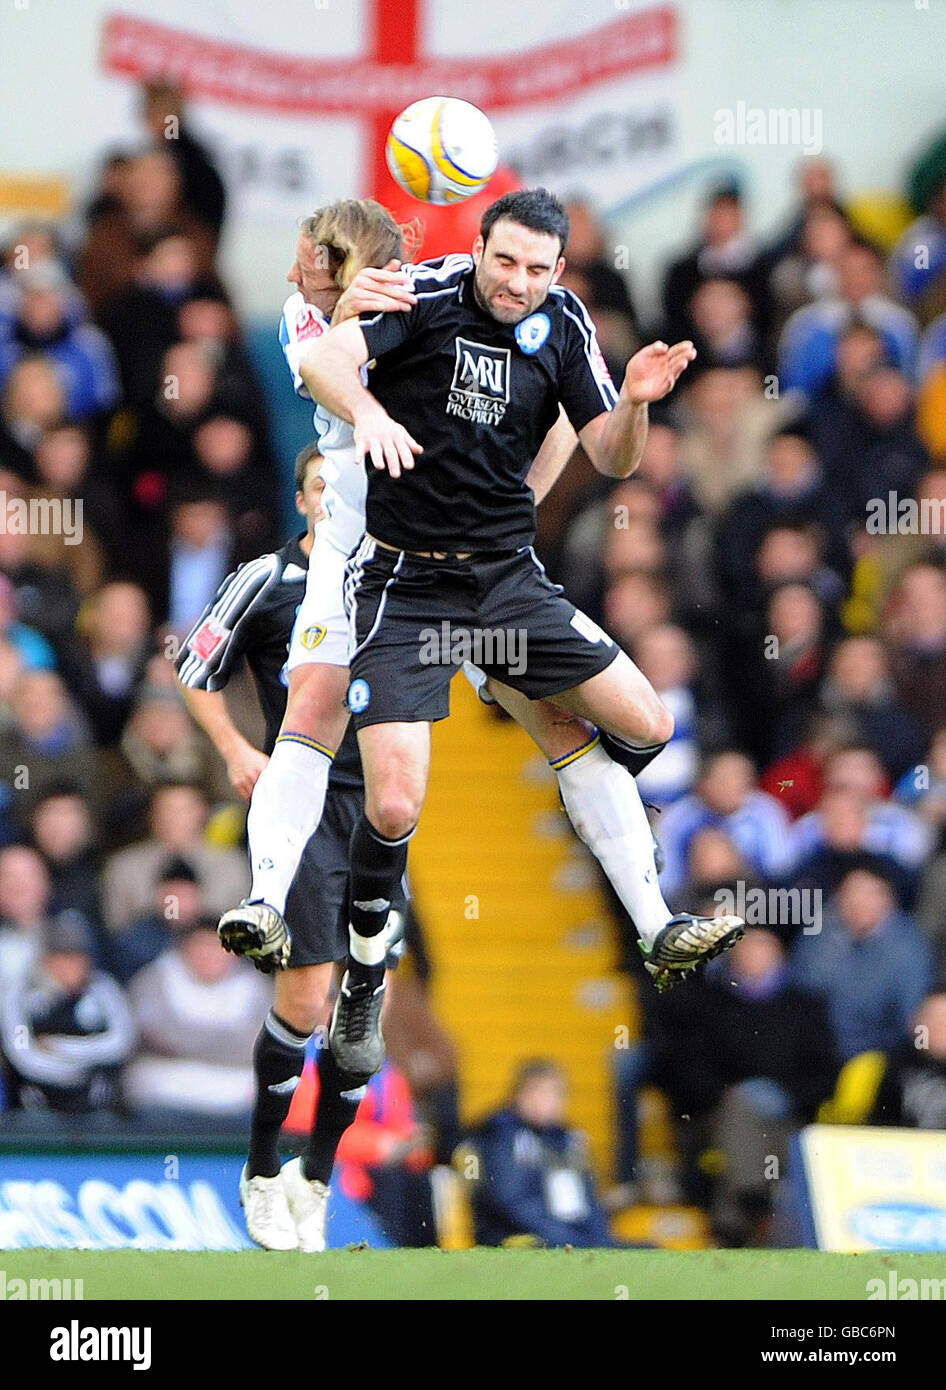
(470, 1274)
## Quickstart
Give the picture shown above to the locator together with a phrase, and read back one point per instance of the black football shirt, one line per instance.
(251, 616)
(480, 396)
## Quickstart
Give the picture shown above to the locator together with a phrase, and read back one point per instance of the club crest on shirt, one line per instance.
(359, 696)
(480, 387)
(312, 636)
(532, 332)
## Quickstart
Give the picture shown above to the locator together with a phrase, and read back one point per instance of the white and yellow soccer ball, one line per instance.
(442, 150)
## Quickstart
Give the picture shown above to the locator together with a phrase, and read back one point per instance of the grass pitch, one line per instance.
(403, 1275)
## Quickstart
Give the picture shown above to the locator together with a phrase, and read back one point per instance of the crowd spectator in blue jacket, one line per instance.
(534, 1177)
(870, 962)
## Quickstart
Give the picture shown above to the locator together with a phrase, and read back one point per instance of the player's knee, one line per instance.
(301, 1000)
(395, 812)
(661, 724)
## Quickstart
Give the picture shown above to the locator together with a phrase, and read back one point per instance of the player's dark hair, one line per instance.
(535, 208)
(303, 458)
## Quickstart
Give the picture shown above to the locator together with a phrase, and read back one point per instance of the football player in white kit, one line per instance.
(347, 263)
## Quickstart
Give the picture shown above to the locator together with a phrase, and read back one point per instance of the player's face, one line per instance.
(515, 269)
(310, 273)
(309, 500)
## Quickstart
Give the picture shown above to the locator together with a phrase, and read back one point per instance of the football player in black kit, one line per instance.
(251, 616)
(464, 387)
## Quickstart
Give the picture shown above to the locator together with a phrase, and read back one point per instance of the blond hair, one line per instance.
(355, 232)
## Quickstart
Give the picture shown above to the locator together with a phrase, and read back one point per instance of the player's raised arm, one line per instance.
(556, 449)
(331, 371)
(615, 439)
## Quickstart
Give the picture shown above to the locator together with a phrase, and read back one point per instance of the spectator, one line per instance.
(201, 555)
(202, 189)
(726, 796)
(883, 452)
(65, 1027)
(178, 815)
(534, 1175)
(197, 1011)
(817, 187)
(797, 778)
(49, 738)
(63, 832)
(177, 907)
(63, 463)
(24, 910)
(80, 352)
(227, 459)
(841, 845)
(31, 647)
(148, 197)
(834, 417)
(161, 744)
(633, 603)
(725, 248)
(891, 829)
(45, 595)
(144, 319)
(912, 1093)
(779, 682)
(915, 626)
(870, 963)
(858, 686)
(33, 399)
(809, 341)
(766, 1063)
(919, 279)
(107, 668)
(809, 269)
(724, 333)
(726, 422)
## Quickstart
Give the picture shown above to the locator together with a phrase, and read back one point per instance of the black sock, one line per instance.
(278, 1058)
(377, 866)
(340, 1095)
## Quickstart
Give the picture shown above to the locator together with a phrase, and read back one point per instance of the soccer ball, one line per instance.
(442, 150)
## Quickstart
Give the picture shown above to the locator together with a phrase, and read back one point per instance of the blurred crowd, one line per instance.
(801, 650)
(777, 569)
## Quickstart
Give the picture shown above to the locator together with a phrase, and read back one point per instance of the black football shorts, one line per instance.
(317, 908)
(415, 621)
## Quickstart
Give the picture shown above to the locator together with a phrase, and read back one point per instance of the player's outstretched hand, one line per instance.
(653, 372)
(375, 291)
(385, 442)
(244, 769)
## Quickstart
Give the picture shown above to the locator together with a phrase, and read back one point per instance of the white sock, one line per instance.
(607, 813)
(285, 810)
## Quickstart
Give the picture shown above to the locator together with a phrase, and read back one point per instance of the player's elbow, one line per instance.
(615, 466)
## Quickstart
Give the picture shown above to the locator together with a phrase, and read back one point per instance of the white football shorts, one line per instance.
(321, 632)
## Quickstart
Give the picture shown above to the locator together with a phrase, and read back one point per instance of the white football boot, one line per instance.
(308, 1204)
(268, 1218)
